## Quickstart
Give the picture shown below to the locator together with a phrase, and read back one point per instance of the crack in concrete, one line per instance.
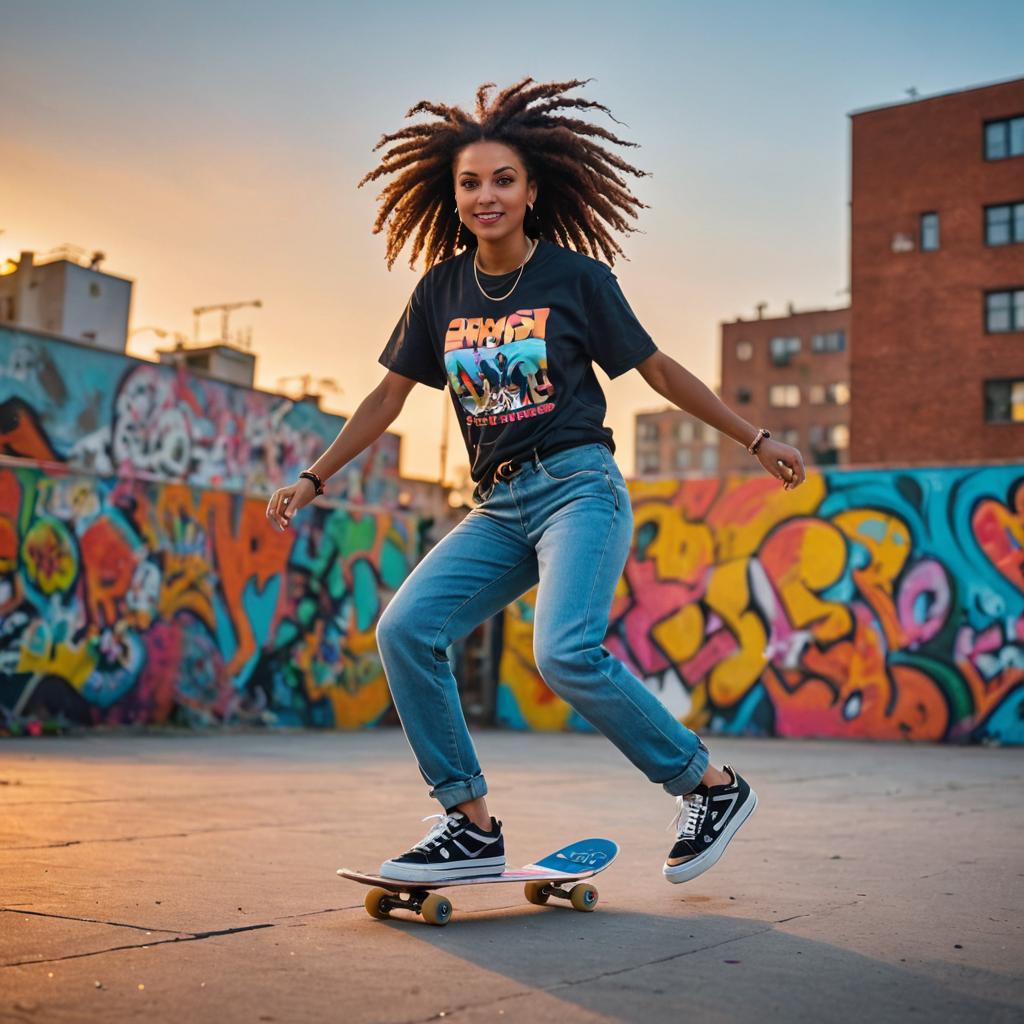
(142, 838)
(211, 795)
(93, 920)
(197, 937)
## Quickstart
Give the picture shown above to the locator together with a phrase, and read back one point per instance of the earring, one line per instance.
(458, 235)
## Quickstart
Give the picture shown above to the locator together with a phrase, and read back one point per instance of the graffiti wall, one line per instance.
(118, 416)
(864, 604)
(131, 601)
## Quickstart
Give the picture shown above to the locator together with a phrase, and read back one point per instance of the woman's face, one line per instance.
(492, 190)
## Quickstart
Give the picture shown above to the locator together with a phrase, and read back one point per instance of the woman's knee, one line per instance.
(395, 625)
(401, 624)
(561, 665)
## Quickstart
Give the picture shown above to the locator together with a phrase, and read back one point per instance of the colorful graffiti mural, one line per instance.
(131, 601)
(864, 604)
(118, 416)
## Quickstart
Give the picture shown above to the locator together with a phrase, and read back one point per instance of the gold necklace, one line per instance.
(522, 267)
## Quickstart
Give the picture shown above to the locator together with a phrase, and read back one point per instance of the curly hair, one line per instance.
(582, 196)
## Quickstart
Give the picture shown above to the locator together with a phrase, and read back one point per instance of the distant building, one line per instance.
(219, 360)
(937, 278)
(116, 415)
(790, 374)
(64, 298)
(674, 443)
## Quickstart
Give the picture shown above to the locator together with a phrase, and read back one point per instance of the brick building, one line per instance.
(791, 375)
(673, 443)
(937, 278)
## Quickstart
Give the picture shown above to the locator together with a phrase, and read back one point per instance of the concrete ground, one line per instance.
(191, 877)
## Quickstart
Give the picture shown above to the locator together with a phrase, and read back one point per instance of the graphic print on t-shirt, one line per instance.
(498, 367)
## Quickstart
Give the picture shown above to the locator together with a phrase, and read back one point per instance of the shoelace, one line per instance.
(691, 808)
(438, 833)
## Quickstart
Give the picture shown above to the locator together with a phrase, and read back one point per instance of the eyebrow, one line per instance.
(507, 167)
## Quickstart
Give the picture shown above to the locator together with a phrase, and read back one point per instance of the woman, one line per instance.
(509, 207)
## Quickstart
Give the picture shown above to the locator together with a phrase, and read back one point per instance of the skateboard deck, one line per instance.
(542, 880)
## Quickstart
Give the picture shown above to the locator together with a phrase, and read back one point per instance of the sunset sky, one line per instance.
(212, 149)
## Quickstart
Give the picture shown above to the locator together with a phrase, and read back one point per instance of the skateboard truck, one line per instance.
(434, 909)
(582, 896)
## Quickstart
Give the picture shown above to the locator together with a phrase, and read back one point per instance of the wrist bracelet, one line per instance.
(756, 443)
(308, 474)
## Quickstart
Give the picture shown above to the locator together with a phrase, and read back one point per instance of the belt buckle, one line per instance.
(500, 471)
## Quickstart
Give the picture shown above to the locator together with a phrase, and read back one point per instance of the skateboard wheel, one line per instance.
(436, 910)
(583, 897)
(374, 905)
(535, 893)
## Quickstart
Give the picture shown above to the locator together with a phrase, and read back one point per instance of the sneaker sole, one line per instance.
(692, 868)
(470, 869)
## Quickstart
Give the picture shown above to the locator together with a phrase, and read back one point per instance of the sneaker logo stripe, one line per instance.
(721, 819)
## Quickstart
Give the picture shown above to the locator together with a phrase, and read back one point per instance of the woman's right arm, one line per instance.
(377, 411)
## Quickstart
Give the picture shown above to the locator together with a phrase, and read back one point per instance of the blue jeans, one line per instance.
(566, 522)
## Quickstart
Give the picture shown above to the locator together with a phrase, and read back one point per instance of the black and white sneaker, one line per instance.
(706, 820)
(453, 848)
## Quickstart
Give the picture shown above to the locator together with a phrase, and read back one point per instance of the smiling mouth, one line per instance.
(488, 218)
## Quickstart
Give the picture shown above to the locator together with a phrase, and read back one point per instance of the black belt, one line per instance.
(508, 469)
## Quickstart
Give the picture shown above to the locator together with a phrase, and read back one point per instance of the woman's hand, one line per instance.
(286, 501)
(782, 461)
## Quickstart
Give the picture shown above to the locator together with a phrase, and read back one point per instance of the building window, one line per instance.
(710, 434)
(929, 232)
(1004, 311)
(816, 436)
(839, 436)
(1004, 225)
(784, 396)
(790, 435)
(838, 393)
(744, 351)
(743, 396)
(783, 349)
(816, 394)
(830, 341)
(709, 459)
(684, 431)
(647, 431)
(682, 458)
(649, 462)
(1004, 401)
(1004, 139)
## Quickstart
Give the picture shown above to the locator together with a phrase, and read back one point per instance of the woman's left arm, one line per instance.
(683, 389)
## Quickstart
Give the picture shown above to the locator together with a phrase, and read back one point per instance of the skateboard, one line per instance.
(546, 878)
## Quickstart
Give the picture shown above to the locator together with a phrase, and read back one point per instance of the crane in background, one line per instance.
(309, 381)
(225, 309)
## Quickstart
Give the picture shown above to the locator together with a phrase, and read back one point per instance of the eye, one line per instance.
(506, 179)
(468, 183)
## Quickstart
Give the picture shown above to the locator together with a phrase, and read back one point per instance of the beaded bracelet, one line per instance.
(318, 485)
(756, 443)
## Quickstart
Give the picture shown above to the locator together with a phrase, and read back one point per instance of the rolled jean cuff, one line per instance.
(689, 778)
(461, 792)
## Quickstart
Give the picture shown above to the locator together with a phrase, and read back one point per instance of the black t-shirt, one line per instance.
(519, 371)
